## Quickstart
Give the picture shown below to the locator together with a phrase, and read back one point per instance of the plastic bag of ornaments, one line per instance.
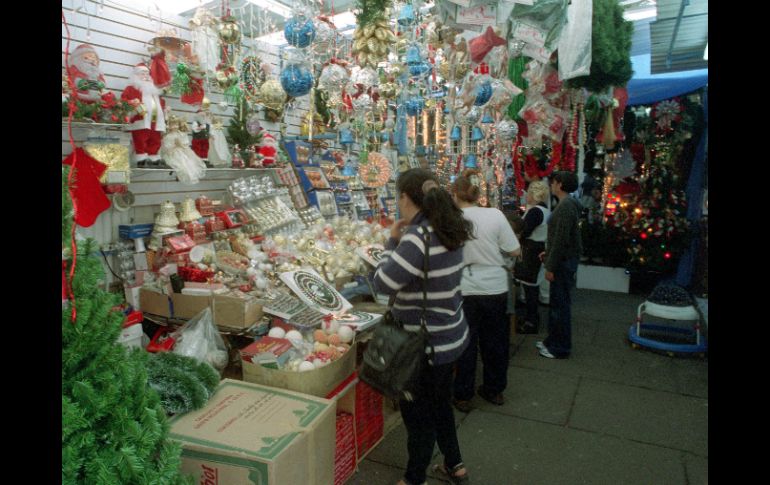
(329, 343)
(200, 339)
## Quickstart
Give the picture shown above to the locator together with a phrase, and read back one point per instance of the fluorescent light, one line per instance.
(273, 6)
(175, 7)
(706, 52)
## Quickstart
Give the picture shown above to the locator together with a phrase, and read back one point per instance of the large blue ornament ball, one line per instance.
(483, 94)
(296, 80)
(299, 32)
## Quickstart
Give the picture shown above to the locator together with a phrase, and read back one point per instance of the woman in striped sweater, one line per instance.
(428, 214)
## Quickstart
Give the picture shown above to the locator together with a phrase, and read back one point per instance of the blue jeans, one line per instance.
(489, 330)
(559, 340)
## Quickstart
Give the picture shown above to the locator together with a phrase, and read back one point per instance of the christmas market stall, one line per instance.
(228, 185)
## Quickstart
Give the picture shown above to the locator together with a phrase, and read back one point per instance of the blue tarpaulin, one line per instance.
(651, 90)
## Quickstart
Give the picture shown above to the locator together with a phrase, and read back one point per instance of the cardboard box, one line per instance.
(318, 382)
(228, 311)
(234, 312)
(251, 434)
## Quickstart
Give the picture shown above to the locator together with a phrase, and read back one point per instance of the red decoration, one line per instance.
(480, 46)
(88, 198)
(161, 76)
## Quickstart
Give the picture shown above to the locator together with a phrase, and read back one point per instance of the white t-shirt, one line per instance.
(484, 273)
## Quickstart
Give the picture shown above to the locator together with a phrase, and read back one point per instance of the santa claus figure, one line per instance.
(86, 74)
(268, 149)
(149, 122)
(201, 127)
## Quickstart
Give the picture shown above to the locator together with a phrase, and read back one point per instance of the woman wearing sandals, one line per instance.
(485, 296)
(429, 419)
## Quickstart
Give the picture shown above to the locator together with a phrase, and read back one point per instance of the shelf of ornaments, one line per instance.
(88, 124)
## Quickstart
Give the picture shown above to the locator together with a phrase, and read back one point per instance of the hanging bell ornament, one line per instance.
(205, 104)
(167, 216)
(229, 32)
(189, 211)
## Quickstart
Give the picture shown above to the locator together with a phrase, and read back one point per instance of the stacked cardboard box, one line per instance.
(369, 418)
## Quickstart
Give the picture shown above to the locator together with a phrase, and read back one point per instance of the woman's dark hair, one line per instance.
(464, 188)
(446, 218)
(568, 180)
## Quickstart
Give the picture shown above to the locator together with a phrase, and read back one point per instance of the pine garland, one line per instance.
(610, 49)
(184, 384)
(370, 11)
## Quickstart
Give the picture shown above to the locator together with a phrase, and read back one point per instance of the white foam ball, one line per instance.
(277, 332)
(306, 366)
(346, 334)
(330, 326)
(293, 335)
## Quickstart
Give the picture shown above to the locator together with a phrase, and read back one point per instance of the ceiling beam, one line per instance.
(682, 5)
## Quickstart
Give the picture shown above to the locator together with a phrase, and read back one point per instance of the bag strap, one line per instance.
(425, 266)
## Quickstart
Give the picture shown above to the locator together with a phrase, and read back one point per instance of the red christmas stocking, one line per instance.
(87, 195)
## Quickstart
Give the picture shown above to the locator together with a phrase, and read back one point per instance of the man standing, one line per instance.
(86, 74)
(147, 125)
(561, 257)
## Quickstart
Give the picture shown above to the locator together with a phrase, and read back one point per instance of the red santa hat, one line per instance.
(268, 149)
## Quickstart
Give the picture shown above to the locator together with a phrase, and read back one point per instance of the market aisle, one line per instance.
(609, 415)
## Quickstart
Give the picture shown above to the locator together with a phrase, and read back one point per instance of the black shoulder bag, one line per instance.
(394, 358)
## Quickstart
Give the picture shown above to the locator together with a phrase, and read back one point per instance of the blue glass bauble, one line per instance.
(346, 137)
(413, 56)
(406, 15)
(299, 32)
(483, 94)
(414, 106)
(296, 80)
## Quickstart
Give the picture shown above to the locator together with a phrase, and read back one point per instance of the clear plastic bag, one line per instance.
(200, 339)
(575, 41)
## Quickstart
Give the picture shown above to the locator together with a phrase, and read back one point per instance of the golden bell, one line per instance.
(189, 211)
(205, 104)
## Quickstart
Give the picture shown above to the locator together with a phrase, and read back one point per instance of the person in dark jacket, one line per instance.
(428, 214)
(561, 257)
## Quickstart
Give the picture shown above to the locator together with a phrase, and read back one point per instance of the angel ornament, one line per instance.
(176, 152)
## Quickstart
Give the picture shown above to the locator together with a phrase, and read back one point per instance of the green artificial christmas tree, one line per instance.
(114, 429)
(238, 134)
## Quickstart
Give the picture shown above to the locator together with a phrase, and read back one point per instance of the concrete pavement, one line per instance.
(608, 415)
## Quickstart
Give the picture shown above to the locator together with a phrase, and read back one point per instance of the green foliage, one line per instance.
(610, 49)
(105, 112)
(237, 134)
(184, 383)
(66, 208)
(114, 430)
(371, 11)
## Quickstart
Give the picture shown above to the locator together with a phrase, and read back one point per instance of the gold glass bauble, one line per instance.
(272, 94)
(229, 32)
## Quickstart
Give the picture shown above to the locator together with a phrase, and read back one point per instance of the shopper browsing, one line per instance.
(563, 249)
(533, 243)
(485, 296)
(429, 419)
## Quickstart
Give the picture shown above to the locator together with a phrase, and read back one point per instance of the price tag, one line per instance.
(482, 15)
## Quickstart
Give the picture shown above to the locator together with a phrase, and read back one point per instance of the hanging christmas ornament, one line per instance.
(477, 134)
(376, 172)
(456, 134)
(487, 118)
(388, 90)
(503, 92)
(325, 35)
(299, 30)
(296, 80)
(414, 105)
(469, 117)
(515, 46)
(333, 77)
(372, 39)
(253, 126)
(507, 130)
(365, 77)
(406, 16)
(362, 103)
(272, 95)
(229, 31)
(483, 93)
(346, 136)
(470, 161)
(252, 76)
